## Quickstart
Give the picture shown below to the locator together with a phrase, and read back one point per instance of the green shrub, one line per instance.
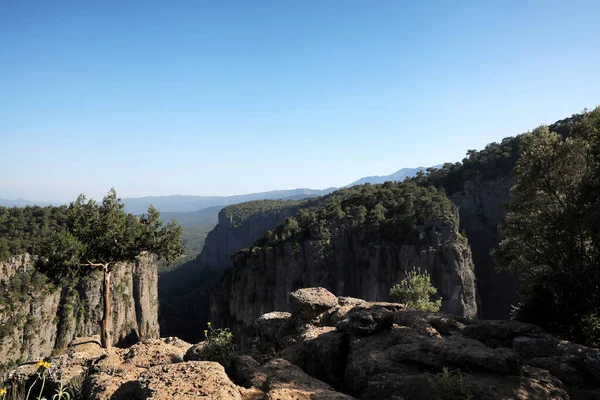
(451, 385)
(416, 292)
(590, 327)
(219, 346)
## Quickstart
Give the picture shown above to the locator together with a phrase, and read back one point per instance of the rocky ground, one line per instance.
(343, 348)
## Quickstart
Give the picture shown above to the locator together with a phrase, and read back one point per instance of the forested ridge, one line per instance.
(391, 211)
(496, 159)
(238, 213)
(22, 230)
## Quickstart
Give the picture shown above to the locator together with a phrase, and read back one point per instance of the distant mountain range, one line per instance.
(180, 203)
(172, 205)
(399, 176)
(25, 203)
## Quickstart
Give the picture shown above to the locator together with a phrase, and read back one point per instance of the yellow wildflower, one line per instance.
(210, 323)
(43, 364)
(205, 331)
(2, 392)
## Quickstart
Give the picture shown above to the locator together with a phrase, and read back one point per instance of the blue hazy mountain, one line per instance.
(24, 203)
(178, 203)
(399, 175)
(190, 204)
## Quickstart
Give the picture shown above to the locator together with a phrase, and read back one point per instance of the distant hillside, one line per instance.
(180, 203)
(397, 176)
(193, 218)
(196, 226)
(25, 203)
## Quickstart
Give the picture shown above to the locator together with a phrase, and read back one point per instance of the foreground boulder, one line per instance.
(285, 381)
(187, 380)
(309, 303)
(381, 351)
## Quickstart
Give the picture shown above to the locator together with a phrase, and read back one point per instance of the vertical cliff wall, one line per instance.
(37, 318)
(349, 264)
(184, 292)
(235, 233)
(481, 204)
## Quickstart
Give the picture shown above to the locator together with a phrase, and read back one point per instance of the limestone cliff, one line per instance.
(234, 232)
(37, 318)
(184, 292)
(481, 204)
(353, 261)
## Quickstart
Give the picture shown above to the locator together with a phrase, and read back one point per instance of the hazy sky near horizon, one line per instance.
(232, 97)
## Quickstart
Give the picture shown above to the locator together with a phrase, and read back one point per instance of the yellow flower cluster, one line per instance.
(2, 392)
(206, 330)
(43, 364)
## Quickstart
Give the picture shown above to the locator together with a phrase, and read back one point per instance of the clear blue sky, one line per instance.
(230, 97)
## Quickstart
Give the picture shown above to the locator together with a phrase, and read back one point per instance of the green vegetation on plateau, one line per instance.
(391, 211)
(22, 230)
(238, 213)
(496, 159)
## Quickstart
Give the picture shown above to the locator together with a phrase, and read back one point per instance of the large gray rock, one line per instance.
(243, 369)
(152, 352)
(366, 320)
(338, 313)
(282, 380)
(195, 352)
(188, 380)
(306, 304)
(379, 351)
(275, 329)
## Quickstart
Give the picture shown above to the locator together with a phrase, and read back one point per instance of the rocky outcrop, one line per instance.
(348, 265)
(377, 351)
(482, 210)
(46, 319)
(155, 369)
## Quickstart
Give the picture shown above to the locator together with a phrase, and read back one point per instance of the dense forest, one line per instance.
(238, 213)
(22, 230)
(551, 235)
(391, 211)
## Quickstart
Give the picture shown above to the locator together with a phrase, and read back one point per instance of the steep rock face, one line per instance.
(481, 204)
(50, 318)
(184, 292)
(348, 265)
(231, 235)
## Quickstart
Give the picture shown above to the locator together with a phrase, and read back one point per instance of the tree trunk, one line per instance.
(105, 328)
